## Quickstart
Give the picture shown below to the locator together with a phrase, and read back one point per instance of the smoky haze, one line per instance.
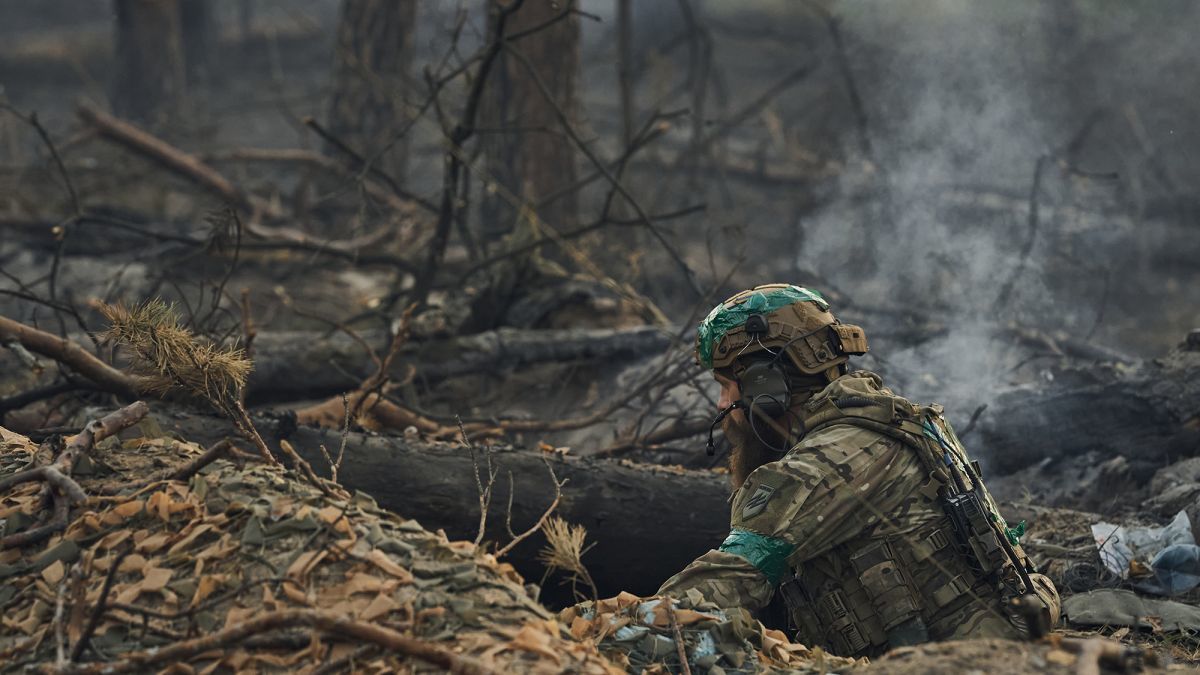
(1014, 183)
(963, 100)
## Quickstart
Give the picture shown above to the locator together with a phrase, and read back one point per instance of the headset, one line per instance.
(765, 389)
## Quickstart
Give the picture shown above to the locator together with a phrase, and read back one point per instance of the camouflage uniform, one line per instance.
(850, 522)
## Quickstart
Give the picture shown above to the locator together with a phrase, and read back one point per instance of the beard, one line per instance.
(747, 451)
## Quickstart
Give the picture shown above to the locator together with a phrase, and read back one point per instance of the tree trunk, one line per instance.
(201, 32)
(625, 67)
(150, 73)
(371, 65)
(646, 522)
(528, 157)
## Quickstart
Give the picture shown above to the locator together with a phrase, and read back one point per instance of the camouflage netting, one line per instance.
(641, 633)
(243, 568)
(236, 543)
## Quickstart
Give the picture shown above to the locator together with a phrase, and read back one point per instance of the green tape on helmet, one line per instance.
(722, 319)
(768, 554)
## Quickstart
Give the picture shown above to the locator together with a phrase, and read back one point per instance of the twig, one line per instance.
(376, 382)
(306, 470)
(61, 227)
(249, 330)
(971, 424)
(684, 428)
(345, 436)
(668, 604)
(334, 465)
(343, 664)
(51, 476)
(540, 521)
(508, 509)
(98, 430)
(571, 234)
(833, 26)
(485, 491)
(241, 419)
(25, 398)
(32, 120)
(57, 523)
(624, 67)
(329, 622)
(1002, 298)
(60, 655)
(384, 193)
(360, 164)
(98, 611)
(188, 166)
(210, 455)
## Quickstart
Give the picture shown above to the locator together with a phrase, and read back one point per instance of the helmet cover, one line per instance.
(776, 317)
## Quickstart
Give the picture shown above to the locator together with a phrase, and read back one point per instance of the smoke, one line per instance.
(963, 98)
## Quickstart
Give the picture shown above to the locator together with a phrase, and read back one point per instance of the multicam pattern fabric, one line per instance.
(840, 491)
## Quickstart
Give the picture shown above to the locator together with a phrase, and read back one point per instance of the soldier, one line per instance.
(861, 507)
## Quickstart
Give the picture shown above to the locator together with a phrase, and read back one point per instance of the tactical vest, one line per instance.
(886, 589)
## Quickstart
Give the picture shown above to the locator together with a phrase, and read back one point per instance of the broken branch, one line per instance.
(71, 354)
(172, 159)
(329, 622)
(541, 522)
(94, 432)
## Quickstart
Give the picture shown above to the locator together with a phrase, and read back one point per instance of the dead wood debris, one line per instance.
(58, 489)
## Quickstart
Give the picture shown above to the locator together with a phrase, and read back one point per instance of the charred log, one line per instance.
(647, 522)
(1149, 414)
(295, 365)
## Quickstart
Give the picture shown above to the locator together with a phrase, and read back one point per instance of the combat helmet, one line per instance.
(775, 318)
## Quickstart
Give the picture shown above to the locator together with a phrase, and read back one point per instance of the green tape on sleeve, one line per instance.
(768, 554)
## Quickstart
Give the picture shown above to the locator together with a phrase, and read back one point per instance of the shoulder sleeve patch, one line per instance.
(757, 501)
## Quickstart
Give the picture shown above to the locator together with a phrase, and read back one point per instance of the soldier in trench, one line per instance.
(858, 506)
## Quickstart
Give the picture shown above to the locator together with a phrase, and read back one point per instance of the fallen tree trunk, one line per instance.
(294, 365)
(647, 522)
(298, 365)
(1149, 414)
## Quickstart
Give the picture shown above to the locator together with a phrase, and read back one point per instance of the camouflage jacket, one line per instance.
(816, 514)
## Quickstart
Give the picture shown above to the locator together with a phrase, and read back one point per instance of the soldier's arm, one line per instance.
(753, 559)
(764, 533)
(725, 578)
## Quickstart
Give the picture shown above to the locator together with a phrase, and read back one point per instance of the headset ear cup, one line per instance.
(764, 387)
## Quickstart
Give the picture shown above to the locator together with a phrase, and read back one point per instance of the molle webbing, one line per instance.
(880, 414)
(907, 431)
